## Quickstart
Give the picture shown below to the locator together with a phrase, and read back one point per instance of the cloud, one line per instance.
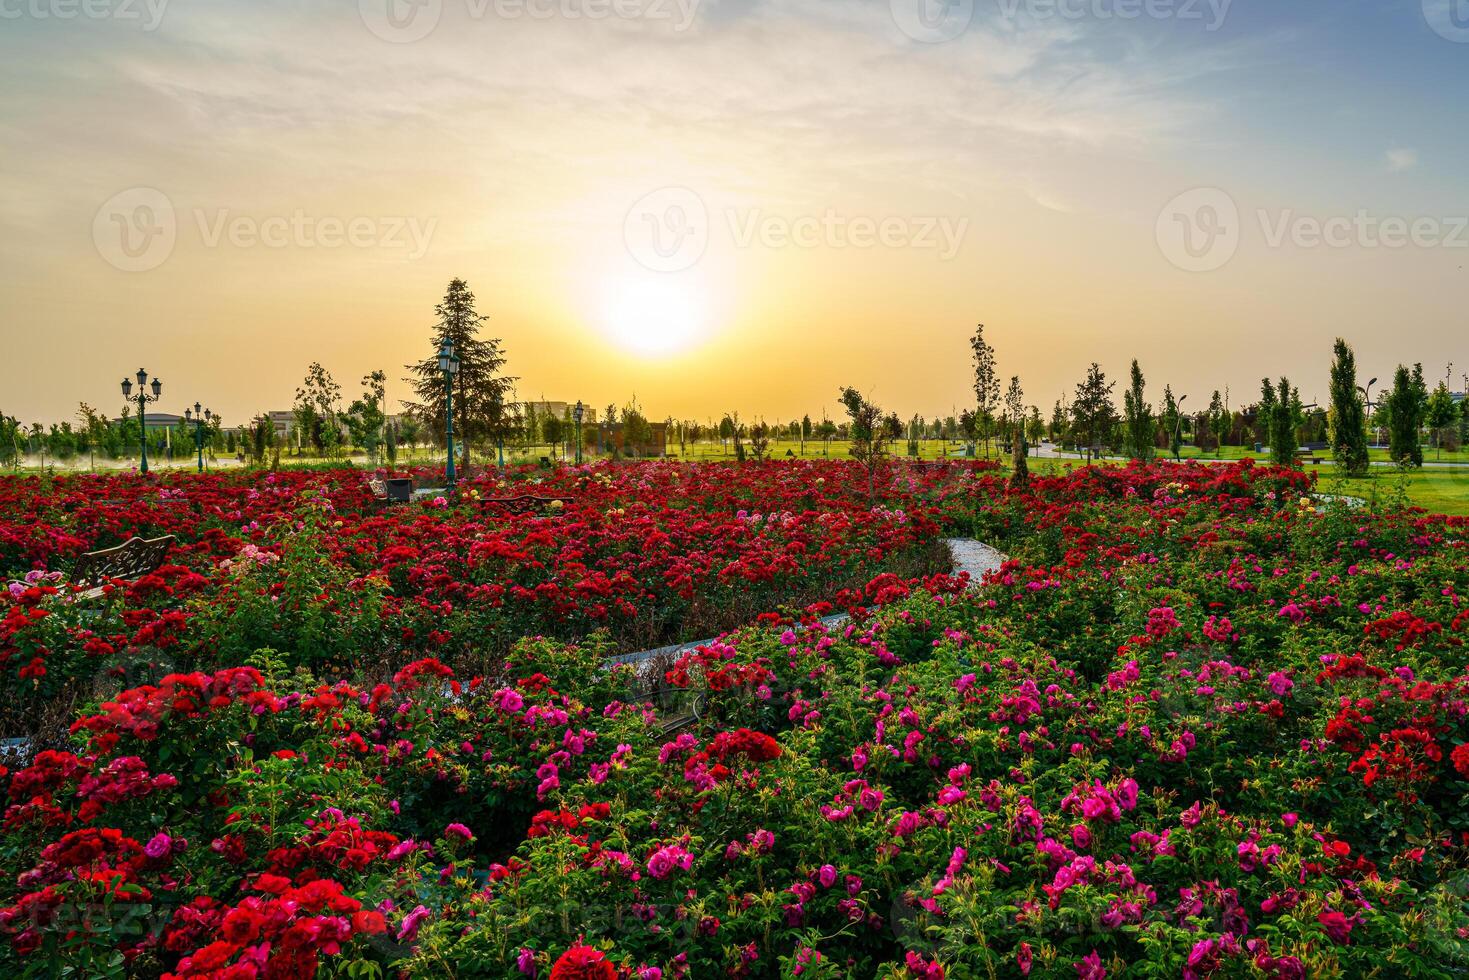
(1402, 158)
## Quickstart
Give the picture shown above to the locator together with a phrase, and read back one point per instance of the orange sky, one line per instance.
(857, 201)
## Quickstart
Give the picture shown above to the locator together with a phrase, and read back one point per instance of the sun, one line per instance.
(656, 314)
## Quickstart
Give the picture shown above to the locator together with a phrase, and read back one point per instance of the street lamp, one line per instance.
(1177, 425)
(577, 414)
(499, 406)
(200, 417)
(143, 399)
(1367, 400)
(449, 364)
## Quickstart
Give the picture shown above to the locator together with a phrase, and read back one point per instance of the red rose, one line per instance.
(583, 963)
(1460, 757)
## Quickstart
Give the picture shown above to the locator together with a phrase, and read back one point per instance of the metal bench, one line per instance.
(130, 560)
(385, 492)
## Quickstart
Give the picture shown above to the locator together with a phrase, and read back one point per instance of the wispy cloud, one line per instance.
(1401, 158)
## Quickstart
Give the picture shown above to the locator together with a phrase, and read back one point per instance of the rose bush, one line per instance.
(1193, 727)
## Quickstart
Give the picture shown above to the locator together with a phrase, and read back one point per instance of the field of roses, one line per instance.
(302, 564)
(1196, 726)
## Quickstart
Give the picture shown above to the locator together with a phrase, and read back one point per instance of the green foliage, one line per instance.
(1348, 417)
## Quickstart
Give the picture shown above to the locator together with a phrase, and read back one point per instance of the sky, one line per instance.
(718, 205)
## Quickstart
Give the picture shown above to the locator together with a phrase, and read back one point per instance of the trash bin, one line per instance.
(399, 490)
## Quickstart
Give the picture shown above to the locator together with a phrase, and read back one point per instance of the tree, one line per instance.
(365, 418)
(1138, 418)
(1440, 414)
(94, 429)
(1035, 426)
(1015, 409)
(482, 403)
(1219, 421)
(1348, 418)
(390, 443)
(553, 431)
(1058, 419)
(1172, 423)
(637, 434)
(986, 386)
(316, 409)
(1404, 416)
(1285, 415)
(806, 430)
(868, 434)
(410, 431)
(1092, 414)
(759, 441)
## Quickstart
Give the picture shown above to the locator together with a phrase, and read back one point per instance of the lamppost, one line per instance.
(1177, 425)
(200, 417)
(449, 364)
(577, 413)
(1367, 400)
(143, 399)
(499, 406)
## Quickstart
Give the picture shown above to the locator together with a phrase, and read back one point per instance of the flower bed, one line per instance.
(1193, 728)
(302, 564)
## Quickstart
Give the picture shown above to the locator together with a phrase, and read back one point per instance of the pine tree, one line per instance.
(1138, 417)
(1404, 410)
(1348, 417)
(482, 403)
(1285, 415)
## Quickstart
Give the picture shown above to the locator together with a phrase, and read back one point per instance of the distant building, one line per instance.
(157, 420)
(282, 422)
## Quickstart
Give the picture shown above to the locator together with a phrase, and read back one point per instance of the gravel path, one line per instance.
(974, 557)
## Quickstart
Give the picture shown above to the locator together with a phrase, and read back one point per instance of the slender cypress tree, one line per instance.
(1348, 417)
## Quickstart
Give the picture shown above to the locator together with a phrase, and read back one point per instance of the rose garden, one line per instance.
(1198, 723)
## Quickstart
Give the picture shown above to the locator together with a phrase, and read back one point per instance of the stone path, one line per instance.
(970, 555)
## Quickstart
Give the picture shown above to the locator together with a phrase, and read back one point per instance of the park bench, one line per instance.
(1307, 456)
(385, 492)
(130, 561)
